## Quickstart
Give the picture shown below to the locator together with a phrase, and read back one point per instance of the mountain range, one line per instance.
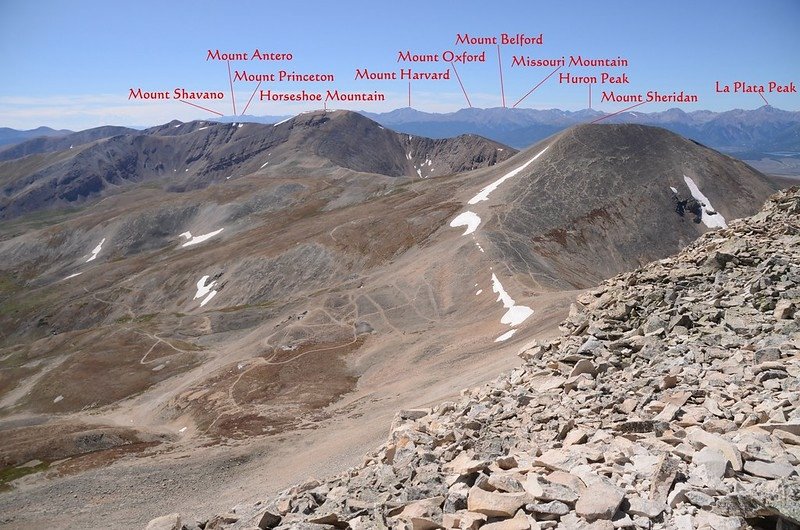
(762, 129)
(767, 138)
(177, 301)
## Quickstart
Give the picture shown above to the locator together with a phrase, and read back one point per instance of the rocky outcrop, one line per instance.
(671, 401)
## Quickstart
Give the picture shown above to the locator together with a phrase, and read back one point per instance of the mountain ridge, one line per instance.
(85, 166)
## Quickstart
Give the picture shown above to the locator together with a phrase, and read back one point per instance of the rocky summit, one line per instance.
(671, 401)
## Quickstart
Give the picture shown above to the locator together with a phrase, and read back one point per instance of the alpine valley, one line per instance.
(196, 316)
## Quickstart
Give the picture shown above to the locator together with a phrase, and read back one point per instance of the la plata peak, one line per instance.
(746, 88)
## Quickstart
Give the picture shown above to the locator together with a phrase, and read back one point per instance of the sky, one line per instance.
(73, 64)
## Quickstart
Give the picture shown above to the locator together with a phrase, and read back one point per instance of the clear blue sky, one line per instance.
(71, 63)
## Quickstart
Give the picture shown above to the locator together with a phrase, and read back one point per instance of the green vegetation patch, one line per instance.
(12, 473)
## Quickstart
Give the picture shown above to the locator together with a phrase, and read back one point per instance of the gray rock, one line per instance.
(698, 498)
(767, 354)
(663, 477)
(769, 469)
(729, 450)
(165, 522)
(548, 508)
(645, 507)
(713, 460)
(784, 310)
(269, 520)
(495, 504)
(599, 501)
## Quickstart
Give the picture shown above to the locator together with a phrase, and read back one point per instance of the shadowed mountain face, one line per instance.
(324, 278)
(66, 172)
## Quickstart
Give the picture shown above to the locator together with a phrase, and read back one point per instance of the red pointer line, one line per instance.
(500, 64)
(537, 86)
(460, 83)
(199, 107)
(409, 94)
(762, 97)
(233, 98)
(618, 112)
(251, 98)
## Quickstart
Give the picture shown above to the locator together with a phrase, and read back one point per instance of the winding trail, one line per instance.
(158, 340)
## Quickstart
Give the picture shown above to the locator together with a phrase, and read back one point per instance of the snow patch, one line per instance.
(199, 239)
(96, 250)
(211, 295)
(505, 336)
(484, 193)
(282, 121)
(479, 291)
(73, 275)
(57, 399)
(263, 165)
(468, 219)
(182, 430)
(204, 290)
(709, 215)
(187, 235)
(201, 128)
(516, 314)
(674, 190)
(240, 125)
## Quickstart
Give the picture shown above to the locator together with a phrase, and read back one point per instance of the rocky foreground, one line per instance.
(672, 401)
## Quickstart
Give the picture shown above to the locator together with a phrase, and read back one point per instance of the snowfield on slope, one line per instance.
(468, 219)
(709, 215)
(194, 240)
(484, 193)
